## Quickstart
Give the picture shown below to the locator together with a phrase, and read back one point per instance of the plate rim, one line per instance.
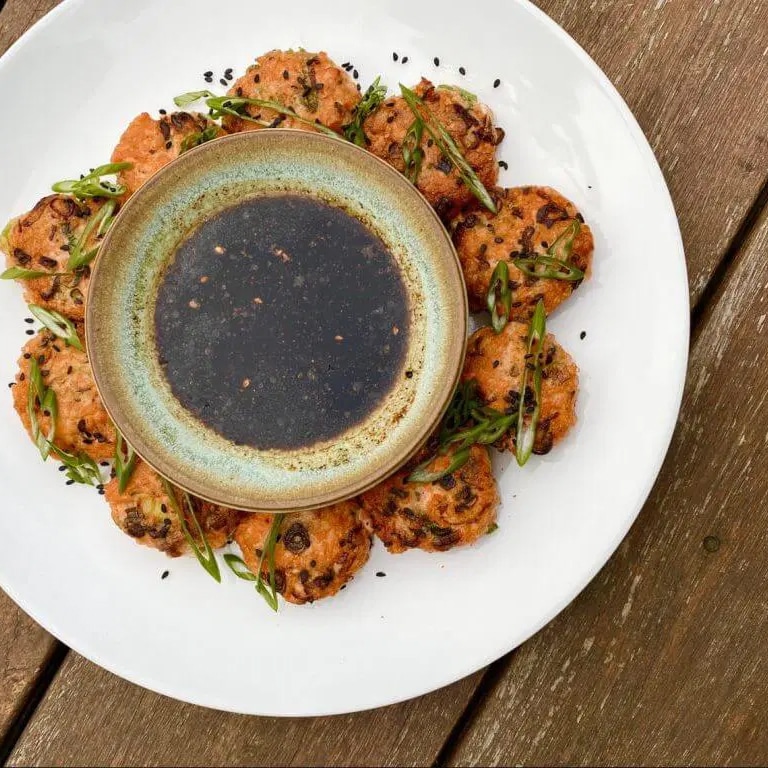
(656, 175)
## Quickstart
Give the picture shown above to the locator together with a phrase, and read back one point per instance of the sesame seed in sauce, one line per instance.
(218, 249)
(204, 279)
(338, 338)
(194, 304)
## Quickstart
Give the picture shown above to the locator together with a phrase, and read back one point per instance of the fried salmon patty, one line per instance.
(497, 361)
(82, 424)
(317, 553)
(40, 240)
(151, 144)
(529, 221)
(146, 513)
(457, 509)
(310, 84)
(470, 125)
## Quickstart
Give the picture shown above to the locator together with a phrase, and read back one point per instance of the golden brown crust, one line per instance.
(317, 554)
(145, 512)
(310, 84)
(471, 127)
(496, 363)
(39, 240)
(529, 221)
(151, 144)
(82, 424)
(456, 510)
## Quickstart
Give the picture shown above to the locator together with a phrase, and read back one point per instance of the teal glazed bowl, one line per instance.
(128, 338)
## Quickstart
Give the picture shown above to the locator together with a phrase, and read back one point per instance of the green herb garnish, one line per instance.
(40, 396)
(499, 294)
(422, 474)
(269, 593)
(413, 154)
(204, 554)
(19, 273)
(98, 224)
(468, 96)
(199, 137)
(492, 528)
(125, 460)
(447, 146)
(57, 324)
(372, 98)
(555, 265)
(80, 468)
(235, 106)
(562, 247)
(526, 427)
(239, 568)
(92, 184)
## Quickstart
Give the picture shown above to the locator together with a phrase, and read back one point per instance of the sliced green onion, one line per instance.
(468, 96)
(125, 460)
(422, 474)
(526, 427)
(58, 325)
(239, 568)
(234, 106)
(447, 146)
(204, 555)
(199, 137)
(562, 247)
(372, 98)
(499, 293)
(269, 593)
(100, 223)
(80, 468)
(548, 267)
(38, 395)
(92, 185)
(492, 528)
(19, 273)
(413, 154)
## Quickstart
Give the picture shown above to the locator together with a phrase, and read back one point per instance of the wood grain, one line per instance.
(661, 661)
(24, 649)
(695, 73)
(18, 16)
(127, 725)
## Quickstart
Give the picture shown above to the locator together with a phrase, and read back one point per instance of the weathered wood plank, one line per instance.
(661, 661)
(18, 16)
(695, 73)
(24, 649)
(130, 726)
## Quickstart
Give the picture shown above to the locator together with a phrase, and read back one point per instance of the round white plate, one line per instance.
(73, 83)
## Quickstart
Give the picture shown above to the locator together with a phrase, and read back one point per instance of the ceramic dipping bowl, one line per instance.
(200, 357)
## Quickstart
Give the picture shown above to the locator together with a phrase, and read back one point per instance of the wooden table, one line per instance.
(662, 659)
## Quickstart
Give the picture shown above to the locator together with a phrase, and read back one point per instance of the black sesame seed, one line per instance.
(355, 74)
(11, 384)
(70, 482)
(405, 60)
(409, 374)
(101, 491)
(61, 467)
(29, 332)
(285, 74)
(496, 83)
(228, 76)
(462, 71)
(380, 573)
(168, 144)
(27, 355)
(104, 463)
(228, 71)
(503, 164)
(164, 574)
(209, 73)
(223, 81)
(437, 61)
(162, 111)
(208, 79)
(583, 335)
(29, 319)
(394, 56)
(345, 65)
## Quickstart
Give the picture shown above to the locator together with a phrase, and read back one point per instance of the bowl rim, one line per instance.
(457, 344)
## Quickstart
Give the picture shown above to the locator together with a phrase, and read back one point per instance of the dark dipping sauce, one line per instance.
(281, 321)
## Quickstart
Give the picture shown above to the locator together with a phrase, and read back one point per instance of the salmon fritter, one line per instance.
(317, 552)
(82, 424)
(497, 361)
(450, 512)
(41, 240)
(531, 221)
(469, 123)
(147, 514)
(309, 84)
(151, 144)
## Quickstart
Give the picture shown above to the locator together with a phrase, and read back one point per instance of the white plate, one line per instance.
(73, 83)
